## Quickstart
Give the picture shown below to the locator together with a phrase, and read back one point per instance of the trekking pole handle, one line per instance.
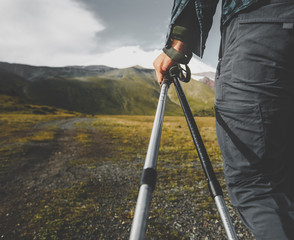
(183, 74)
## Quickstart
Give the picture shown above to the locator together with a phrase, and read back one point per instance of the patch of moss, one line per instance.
(83, 138)
(62, 212)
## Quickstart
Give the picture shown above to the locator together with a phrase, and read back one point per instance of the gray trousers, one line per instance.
(255, 117)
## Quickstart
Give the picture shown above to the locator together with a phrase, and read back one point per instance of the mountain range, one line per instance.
(96, 89)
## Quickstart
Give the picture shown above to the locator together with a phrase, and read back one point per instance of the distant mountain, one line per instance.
(32, 73)
(208, 82)
(98, 89)
(199, 95)
(210, 75)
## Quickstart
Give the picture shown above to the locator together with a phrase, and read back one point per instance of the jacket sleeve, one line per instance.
(186, 26)
(190, 22)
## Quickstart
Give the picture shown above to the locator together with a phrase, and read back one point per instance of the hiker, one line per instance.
(254, 101)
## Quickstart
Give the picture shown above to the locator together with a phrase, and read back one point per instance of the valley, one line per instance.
(99, 90)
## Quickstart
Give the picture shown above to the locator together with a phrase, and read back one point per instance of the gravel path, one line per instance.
(50, 166)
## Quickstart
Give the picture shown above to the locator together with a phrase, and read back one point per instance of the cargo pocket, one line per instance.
(240, 134)
(264, 45)
(278, 126)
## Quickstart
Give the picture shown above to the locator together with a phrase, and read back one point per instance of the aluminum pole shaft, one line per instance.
(225, 217)
(214, 186)
(145, 193)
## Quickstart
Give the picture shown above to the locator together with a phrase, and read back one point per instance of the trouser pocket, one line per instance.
(265, 47)
(241, 138)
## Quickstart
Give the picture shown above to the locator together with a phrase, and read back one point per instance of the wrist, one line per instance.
(177, 56)
(180, 46)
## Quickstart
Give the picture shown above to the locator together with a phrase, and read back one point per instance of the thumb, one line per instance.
(161, 65)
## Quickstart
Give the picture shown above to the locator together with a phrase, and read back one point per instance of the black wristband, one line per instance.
(176, 56)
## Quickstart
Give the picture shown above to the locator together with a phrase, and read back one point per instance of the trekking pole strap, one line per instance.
(184, 74)
(177, 56)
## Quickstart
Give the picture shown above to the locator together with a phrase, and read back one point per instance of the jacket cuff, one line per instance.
(181, 33)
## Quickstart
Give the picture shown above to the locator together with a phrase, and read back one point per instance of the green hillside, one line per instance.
(199, 95)
(98, 89)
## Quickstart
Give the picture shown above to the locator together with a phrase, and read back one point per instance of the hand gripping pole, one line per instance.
(148, 178)
(213, 184)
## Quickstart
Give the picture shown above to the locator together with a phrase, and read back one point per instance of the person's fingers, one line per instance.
(161, 65)
(157, 64)
(159, 77)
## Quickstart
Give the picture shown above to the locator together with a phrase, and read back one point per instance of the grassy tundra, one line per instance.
(72, 176)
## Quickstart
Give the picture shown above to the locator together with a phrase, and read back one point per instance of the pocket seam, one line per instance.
(265, 20)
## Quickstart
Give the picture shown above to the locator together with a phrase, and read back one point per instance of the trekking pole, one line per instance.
(148, 177)
(213, 184)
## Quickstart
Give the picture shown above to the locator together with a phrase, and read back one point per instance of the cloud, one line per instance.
(123, 57)
(46, 32)
(197, 66)
(142, 23)
(130, 22)
(71, 32)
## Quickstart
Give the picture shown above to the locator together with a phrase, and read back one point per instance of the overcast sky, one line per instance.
(117, 33)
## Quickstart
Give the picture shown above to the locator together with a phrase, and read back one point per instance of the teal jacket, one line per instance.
(191, 20)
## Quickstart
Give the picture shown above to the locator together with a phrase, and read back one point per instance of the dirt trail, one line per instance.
(41, 168)
(67, 189)
(41, 160)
